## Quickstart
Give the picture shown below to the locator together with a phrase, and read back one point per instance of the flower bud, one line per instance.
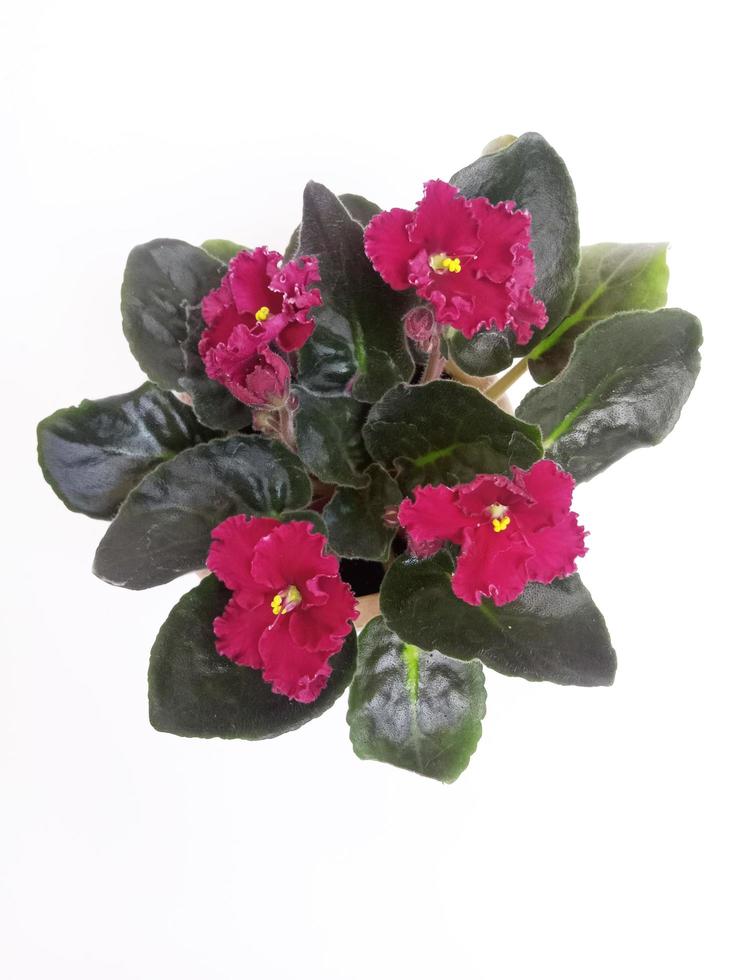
(420, 326)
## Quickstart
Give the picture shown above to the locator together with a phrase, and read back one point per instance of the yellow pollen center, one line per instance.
(262, 314)
(441, 262)
(283, 602)
(499, 516)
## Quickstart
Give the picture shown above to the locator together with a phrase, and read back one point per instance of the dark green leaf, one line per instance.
(163, 529)
(193, 691)
(624, 387)
(551, 633)
(613, 278)
(529, 172)
(354, 517)
(328, 437)
(414, 709)
(327, 361)
(212, 402)
(359, 208)
(446, 432)
(488, 352)
(222, 249)
(93, 455)
(163, 278)
(353, 289)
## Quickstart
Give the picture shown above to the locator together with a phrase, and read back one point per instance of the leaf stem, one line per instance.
(506, 380)
(435, 363)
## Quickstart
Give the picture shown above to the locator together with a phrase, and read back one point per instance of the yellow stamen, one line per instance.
(441, 262)
(500, 524)
(262, 314)
(283, 602)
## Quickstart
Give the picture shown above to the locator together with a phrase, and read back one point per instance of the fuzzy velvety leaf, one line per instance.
(624, 387)
(488, 352)
(93, 455)
(446, 432)
(613, 278)
(354, 517)
(163, 278)
(351, 287)
(551, 633)
(531, 173)
(212, 402)
(359, 208)
(163, 529)
(327, 362)
(329, 439)
(415, 709)
(222, 249)
(193, 691)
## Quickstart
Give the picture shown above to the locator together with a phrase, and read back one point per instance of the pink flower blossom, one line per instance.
(470, 259)
(253, 374)
(270, 300)
(510, 531)
(290, 611)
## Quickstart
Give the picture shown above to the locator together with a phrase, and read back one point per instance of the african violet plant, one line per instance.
(325, 424)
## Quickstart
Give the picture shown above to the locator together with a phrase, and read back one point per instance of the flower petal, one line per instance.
(290, 668)
(238, 631)
(231, 551)
(556, 549)
(444, 222)
(551, 489)
(432, 517)
(250, 275)
(324, 627)
(292, 554)
(489, 488)
(491, 564)
(501, 230)
(388, 247)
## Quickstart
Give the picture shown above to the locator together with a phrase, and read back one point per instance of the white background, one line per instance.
(591, 835)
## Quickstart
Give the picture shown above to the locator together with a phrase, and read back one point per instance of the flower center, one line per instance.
(262, 314)
(499, 516)
(441, 262)
(286, 600)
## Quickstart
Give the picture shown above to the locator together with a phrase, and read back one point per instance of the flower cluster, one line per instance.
(510, 531)
(470, 259)
(260, 301)
(290, 611)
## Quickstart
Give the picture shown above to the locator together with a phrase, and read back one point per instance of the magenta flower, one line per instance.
(510, 532)
(470, 259)
(253, 374)
(290, 611)
(270, 300)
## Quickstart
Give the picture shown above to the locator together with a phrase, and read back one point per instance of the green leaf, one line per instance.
(163, 529)
(222, 249)
(212, 402)
(551, 633)
(529, 172)
(414, 709)
(359, 208)
(354, 517)
(93, 455)
(446, 432)
(488, 352)
(329, 439)
(352, 289)
(624, 387)
(327, 362)
(193, 691)
(163, 278)
(613, 278)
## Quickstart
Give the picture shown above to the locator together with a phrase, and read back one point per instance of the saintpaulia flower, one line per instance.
(510, 531)
(469, 258)
(290, 611)
(420, 326)
(270, 299)
(253, 374)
